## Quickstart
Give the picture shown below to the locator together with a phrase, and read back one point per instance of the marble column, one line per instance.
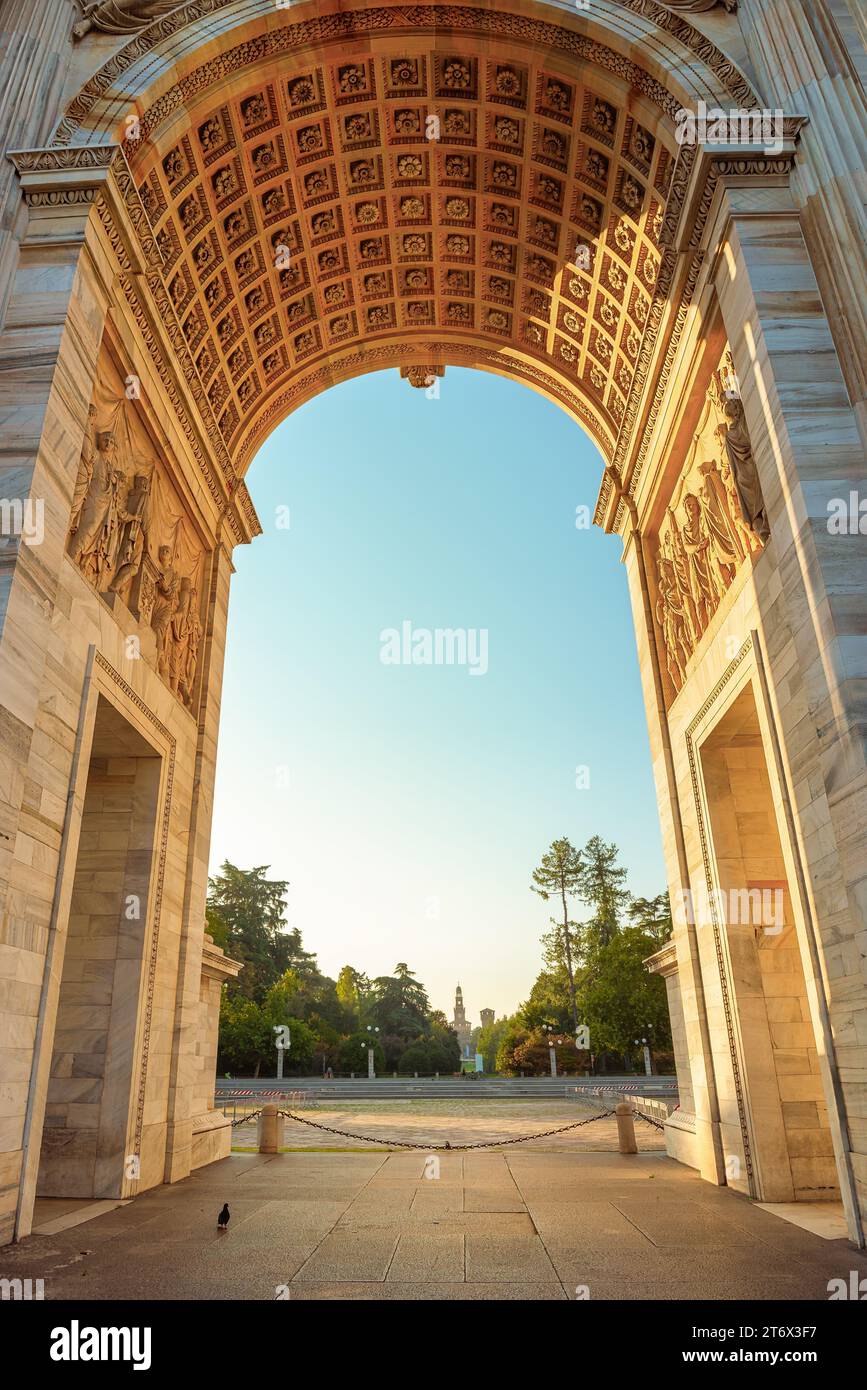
(808, 450)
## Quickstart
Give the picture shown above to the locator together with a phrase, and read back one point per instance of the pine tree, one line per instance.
(602, 887)
(560, 876)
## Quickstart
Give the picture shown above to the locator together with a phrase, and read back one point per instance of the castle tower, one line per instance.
(459, 1022)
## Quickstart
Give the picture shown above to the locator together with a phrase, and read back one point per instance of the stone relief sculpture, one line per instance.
(714, 522)
(94, 520)
(194, 638)
(130, 541)
(121, 16)
(165, 599)
(132, 529)
(739, 452)
(85, 471)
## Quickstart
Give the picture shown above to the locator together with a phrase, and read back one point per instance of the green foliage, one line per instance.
(444, 1050)
(247, 1041)
(217, 928)
(245, 1036)
(489, 1041)
(248, 910)
(620, 1001)
(653, 917)
(352, 989)
(549, 1001)
(513, 1036)
(603, 889)
(597, 965)
(559, 876)
(352, 1055)
(415, 1058)
(398, 1004)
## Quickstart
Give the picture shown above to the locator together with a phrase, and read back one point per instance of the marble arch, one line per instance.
(212, 212)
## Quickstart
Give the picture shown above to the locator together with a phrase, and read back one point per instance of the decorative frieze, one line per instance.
(130, 535)
(714, 522)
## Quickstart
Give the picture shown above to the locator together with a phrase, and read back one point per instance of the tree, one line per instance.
(513, 1036)
(399, 1004)
(416, 1058)
(621, 1001)
(245, 1034)
(352, 1056)
(352, 987)
(560, 876)
(652, 916)
(490, 1038)
(247, 1042)
(248, 910)
(533, 1056)
(444, 1050)
(549, 1001)
(602, 888)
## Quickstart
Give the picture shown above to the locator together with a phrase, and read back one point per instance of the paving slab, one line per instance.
(506, 1259)
(372, 1226)
(428, 1256)
(350, 1256)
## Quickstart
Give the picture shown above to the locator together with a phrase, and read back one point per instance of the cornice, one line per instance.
(365, 22)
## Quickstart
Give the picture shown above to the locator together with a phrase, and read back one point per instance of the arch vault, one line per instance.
(212, 212)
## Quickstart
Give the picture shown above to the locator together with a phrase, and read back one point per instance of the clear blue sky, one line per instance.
(408, 804)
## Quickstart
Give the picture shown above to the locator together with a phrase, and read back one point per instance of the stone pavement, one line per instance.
(459, 1121)
(513, 1224)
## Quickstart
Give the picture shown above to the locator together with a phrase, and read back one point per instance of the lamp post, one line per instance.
(371, 1070)
(642, 1042)
(553, 1043)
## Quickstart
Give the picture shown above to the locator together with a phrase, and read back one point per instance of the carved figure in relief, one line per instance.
(676, 551)
(194, 638)
(739, 453)
(178, 637)
(132, 535)
(671, 615)
(167, 585)
(121, 16)
(95, 520)
(715, 521)
(85, 470)
(696, 543)
(726, 548)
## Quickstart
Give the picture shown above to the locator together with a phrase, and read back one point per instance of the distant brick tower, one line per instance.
(487, 1017)
(459, 1023)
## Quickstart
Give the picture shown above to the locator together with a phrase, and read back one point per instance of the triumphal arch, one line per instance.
(653, 214)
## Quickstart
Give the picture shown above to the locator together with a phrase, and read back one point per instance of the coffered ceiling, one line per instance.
(471, 202)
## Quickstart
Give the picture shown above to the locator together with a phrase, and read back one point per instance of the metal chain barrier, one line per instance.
(246, 1119)
(482, 1144)
(649, 1118)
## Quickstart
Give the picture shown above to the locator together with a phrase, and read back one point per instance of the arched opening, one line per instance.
(226, 224)
(403, 802)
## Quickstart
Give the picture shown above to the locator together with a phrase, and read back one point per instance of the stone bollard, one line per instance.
(625, 1129)
(270, 1130)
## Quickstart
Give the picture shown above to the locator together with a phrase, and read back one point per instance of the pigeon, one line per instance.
(223, 1218)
